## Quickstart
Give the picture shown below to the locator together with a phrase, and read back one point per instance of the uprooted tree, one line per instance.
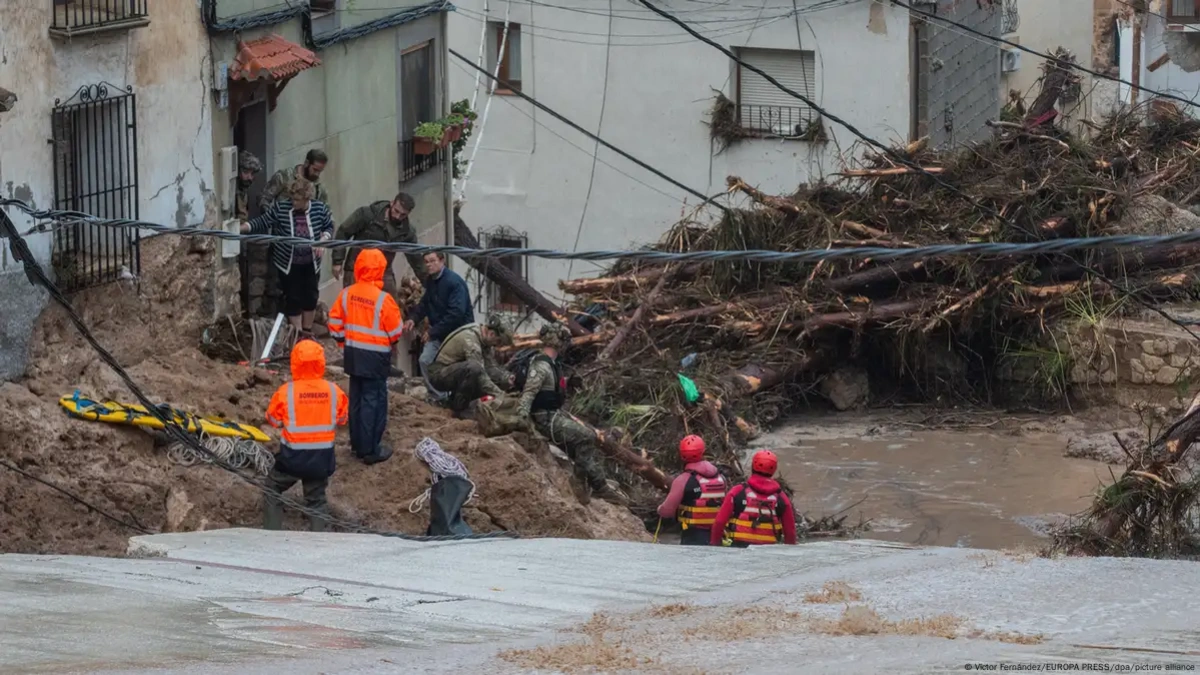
(757, 337)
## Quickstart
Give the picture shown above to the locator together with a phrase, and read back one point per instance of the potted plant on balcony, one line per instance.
(428, 137)
(453, 124)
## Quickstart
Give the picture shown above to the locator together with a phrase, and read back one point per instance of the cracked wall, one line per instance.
(166, 64)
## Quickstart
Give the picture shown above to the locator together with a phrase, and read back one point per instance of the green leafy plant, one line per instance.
(432, 131)
(461, 110)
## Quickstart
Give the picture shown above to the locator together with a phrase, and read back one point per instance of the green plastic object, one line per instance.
(690, 391)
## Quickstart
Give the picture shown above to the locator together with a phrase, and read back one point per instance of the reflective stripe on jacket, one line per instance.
(701, 500)
(363, 326)
(757, 522)
(312, 415)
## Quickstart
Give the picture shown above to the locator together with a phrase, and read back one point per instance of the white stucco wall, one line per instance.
(1045, 26)
(532, 171)
(165, 63)
(1169, 78)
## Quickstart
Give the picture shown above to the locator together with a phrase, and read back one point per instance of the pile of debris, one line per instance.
(153, 330)
(758, 338)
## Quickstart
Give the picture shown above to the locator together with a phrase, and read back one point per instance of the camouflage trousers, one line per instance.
(465, 381)
(575, 439)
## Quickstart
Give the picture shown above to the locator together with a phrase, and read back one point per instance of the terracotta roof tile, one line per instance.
(272, 58)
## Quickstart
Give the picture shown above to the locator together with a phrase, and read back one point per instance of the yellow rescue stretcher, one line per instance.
(136, 415)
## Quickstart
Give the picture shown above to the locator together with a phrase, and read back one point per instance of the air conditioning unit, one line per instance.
(1010, 60)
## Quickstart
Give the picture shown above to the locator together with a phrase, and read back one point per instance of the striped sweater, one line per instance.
(278, 221)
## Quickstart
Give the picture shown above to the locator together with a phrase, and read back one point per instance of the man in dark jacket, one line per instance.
(378, 221)
(446, 303)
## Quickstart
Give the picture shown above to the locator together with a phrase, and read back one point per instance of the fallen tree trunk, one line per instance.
(716, 310)
(612, 443)
(647, 303)
(876, 312)
(506, 278)
(623, 283)
(777, 203)
(876, 276)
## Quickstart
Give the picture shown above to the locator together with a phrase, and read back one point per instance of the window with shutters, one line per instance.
(1183, 11)
(762, 107)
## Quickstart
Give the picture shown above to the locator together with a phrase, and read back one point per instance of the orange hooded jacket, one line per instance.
(308, 411)
(365, 320)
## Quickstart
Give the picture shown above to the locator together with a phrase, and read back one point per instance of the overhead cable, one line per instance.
(543, 107)
(990, 249)
(171, 426)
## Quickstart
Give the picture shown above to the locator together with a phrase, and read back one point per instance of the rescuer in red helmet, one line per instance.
(696, 494)
(756, 512)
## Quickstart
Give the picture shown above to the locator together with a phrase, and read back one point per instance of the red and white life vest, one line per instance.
(758, 521)
(701, 500)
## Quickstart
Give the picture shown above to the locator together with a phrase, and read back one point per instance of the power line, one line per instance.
(825, 113)
(75, 498)
(35, 274)
(564, 139)
(543, 107)
(587, 200)
(1042, 55)
(991, 249)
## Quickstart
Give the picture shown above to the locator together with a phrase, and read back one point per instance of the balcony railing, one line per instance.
(413, 165)
(1011, 19)
(75, 17)
(775, 120)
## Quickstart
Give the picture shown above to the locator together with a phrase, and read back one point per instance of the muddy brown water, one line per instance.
(977, 489)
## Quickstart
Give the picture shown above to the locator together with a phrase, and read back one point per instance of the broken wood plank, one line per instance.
(895, 171)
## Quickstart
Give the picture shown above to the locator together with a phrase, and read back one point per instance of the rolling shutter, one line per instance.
(793, 69)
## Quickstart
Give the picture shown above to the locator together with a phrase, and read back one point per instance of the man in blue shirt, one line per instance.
(446, 304)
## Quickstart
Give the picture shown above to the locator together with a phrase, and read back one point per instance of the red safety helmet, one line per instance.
(691, 449)
(764, 462)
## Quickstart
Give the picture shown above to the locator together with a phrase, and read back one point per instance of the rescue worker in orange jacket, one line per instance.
(366, 322)
(308, 411)
(756, 512)
(696, 494)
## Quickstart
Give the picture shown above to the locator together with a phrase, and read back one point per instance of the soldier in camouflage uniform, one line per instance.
(248, 168)
(379, 221)
(310, 170)
(460, 366)
(542, 400)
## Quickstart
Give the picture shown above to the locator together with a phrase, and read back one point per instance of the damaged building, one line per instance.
(139, 113)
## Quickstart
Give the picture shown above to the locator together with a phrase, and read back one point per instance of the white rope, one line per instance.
(462, 190)
(441, 464)
(240, 453)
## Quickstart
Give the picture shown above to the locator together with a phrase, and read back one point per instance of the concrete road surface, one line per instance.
(241, 601)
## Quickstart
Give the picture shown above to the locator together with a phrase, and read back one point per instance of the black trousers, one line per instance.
(696, 536)
(368, 415)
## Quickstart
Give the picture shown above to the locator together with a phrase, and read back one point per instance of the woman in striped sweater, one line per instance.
(299, 266)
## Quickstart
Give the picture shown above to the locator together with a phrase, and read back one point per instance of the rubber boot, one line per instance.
(319, 524)
(381, 455)
(611, 495)
(272, 514)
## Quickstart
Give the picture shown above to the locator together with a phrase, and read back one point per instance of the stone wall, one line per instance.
(1146, 351)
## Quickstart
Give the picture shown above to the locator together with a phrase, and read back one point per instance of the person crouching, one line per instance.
(308, 410)
(757, 511)
(696, 494)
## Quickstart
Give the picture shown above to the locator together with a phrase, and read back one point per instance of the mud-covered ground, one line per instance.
(153, 330)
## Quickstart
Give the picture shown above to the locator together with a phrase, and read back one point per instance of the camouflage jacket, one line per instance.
(464, 344)
(277, 188)
(539, 378)
(371, 223)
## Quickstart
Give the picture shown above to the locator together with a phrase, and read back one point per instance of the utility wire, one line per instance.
(1042, 55)
(543, 107)
(994, 249)
(36, 276)
(596, 148)
(75, 498)
(890, 152)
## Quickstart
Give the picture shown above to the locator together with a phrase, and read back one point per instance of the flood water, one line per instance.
(976, 489)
